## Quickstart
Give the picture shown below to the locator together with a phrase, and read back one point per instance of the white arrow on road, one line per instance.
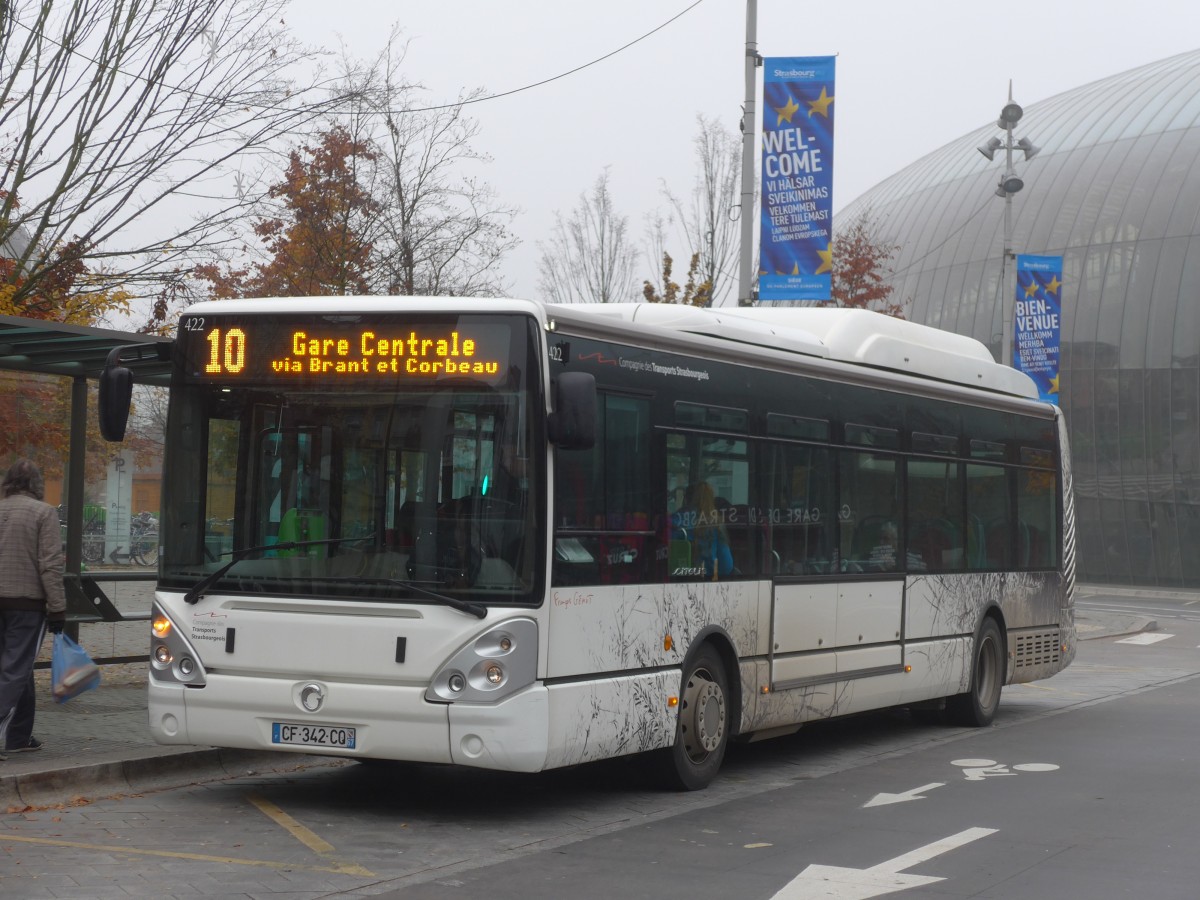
(885, 878)
(914, 794)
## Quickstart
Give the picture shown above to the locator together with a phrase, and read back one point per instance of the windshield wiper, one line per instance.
(475, 609)
(478, 610)
(197, 591)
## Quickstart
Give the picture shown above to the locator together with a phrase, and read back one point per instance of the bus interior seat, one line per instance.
(1024, 544)
(299, 525)
(997, 544)
(938, 543)
(406, 523)
(679, 554)
(868, 535)
(976, 543)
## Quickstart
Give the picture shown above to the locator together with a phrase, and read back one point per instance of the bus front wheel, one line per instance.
(702, 731)
(977, 707)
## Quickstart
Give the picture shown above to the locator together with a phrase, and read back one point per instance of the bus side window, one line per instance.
(1037, 537)
(870, 500)
(935, 514)
(602, 503)
(800, 516)
(710, 533)
(989, 517)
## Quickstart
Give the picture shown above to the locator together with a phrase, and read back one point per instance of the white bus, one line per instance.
(503, 534)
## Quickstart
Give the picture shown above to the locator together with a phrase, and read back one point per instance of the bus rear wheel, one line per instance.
(977, 707)
(702, 731)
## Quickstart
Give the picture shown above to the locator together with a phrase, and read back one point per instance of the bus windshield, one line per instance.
(341, 457)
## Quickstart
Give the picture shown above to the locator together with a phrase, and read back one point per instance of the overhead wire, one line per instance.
(496, 96)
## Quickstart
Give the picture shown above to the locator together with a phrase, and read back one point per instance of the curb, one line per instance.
(73, 784)
(1114, 626)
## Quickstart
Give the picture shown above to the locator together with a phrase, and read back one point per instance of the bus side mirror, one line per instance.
(116, 393)
(572, 425)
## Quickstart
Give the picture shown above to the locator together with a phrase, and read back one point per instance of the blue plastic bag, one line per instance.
(71, 670)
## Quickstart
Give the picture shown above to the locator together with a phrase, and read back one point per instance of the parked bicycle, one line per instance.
(143, 540)
(143, 537)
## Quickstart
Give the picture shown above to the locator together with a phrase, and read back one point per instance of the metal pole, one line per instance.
(749, 157)
(76, 457)
(1007, 296)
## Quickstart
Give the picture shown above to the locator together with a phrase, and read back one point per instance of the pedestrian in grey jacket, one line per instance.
(31, 596)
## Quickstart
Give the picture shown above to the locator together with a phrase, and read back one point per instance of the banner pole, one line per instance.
(749, 160)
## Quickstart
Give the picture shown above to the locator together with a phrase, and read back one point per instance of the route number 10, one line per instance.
(226, 353)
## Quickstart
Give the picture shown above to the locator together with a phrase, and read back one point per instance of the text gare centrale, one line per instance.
(368, 353)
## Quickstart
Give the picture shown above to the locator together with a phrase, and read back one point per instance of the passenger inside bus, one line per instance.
(883, 554)
(703, 526)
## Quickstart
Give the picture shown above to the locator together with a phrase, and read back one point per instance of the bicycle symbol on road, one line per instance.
(979, 769)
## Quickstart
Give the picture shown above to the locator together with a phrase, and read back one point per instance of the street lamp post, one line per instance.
(1010, 183)
(749, 145)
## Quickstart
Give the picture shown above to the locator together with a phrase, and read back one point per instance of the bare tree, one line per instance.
(705, 215)
(440, 229)
(123, 126)
(590, 257)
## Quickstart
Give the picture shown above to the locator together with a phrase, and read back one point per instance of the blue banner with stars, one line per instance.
(795, 249)
(1038, 321)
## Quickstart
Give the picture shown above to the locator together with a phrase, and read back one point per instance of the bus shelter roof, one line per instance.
(52, 348)
(79, 353)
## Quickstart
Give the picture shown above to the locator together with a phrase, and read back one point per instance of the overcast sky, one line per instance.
(912, 75)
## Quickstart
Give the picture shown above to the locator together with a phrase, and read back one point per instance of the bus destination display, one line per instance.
(244, 348)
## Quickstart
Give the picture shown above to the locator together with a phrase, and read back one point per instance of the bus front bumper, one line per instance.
(389, 722)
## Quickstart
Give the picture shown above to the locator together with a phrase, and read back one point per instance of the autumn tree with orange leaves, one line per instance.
(35, 409)
(316, 240)
(861, 266)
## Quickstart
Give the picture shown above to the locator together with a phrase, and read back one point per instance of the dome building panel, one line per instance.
(1115, 191)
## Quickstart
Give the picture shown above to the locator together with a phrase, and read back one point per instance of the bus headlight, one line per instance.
(495, 664)
(173, 660)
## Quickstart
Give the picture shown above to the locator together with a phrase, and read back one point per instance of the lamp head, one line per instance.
(989, 149)
(1030, 150)
(1009, 184)
(1010, 115)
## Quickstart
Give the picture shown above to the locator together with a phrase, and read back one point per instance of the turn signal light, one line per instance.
(161, 626)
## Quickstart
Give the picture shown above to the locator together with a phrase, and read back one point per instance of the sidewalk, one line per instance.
(98, 744)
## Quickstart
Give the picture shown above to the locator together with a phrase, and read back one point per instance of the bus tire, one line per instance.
(702, 729)
(977, 707)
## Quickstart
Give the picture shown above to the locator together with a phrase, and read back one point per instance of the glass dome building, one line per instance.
(1115, 191)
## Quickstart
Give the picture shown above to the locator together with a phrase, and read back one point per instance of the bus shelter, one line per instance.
(80, 353)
